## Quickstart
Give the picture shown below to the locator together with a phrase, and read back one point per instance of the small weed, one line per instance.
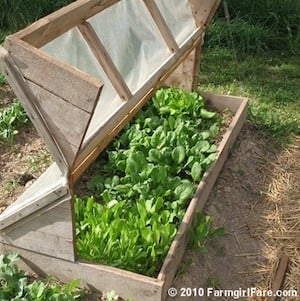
(10, 187)
(213, 282)
(38, 162)
(185, 266)
(2, 80)
(203, 230)
(10, 119)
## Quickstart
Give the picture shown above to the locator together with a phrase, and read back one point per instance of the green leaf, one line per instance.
(212, 149)
(171, 122)
(111, 203)
(219, 232)
(196, 171)
(154, 155)
(135, 163)
(206, 114)
(178, 154)
(185, 191)
(205, 135)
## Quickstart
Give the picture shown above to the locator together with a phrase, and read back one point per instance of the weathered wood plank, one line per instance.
(32, 205)
(279, 276)
(161, 24)
(19, 85)
(204, 188)
(186, 75)
(49, 231)
(68, 123)
(203, 10)
(196, 67)
(62, 80)
(126, 284)
(56, 220)
(50, 27)
(104, 60)
(222, 102)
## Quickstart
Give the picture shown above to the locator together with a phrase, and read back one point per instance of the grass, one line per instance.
(16, 14)
(271, 82)
(258, 26)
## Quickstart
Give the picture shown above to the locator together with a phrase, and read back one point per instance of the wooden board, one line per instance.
(49, 231)
(203, 10)
(104, 60)
(19, 85)
(161, 24)
(60, 79)
(186, 75)
(46, 190)
(94, 277)
(60, 100)
(50, 27)
(68, 123)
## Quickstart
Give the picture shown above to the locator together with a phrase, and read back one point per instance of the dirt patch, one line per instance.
(21, 161)
(6, 96)
(256, 178)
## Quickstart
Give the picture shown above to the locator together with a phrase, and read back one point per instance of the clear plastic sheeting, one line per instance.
(179, 17)
(134, 43)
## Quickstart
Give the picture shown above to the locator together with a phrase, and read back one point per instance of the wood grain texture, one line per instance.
(204, 188)
(96, 277)
(104, 60)
(49, 231)
(196, 66)
(68, 123)
(183, 76)
(161, 24)
(279, 275)
(60, 79)
(19, 85)
(203, 10)
(63, 97)
(32, 205)
(50, 27)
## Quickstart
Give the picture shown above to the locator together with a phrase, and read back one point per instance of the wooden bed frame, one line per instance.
(41, 228)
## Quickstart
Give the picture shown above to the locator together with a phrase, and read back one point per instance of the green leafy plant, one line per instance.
(203, 230)
(2, 80)
(15, 286)
(10, 119)
(144, 182)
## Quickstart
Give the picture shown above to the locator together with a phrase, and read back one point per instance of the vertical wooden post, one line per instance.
(186, 76)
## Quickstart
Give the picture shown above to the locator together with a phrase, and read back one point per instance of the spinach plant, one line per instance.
(145, 180)
(10, 119)
(15, 286)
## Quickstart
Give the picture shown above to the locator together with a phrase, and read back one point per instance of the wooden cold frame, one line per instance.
(31, 63)
(37, 78)
(128, 284)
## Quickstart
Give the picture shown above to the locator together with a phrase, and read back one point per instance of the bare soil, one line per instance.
(256, 198)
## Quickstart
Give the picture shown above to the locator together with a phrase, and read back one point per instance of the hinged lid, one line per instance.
(83, 71)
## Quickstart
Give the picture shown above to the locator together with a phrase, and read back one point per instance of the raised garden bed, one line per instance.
(81, 81)
(137, 286)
